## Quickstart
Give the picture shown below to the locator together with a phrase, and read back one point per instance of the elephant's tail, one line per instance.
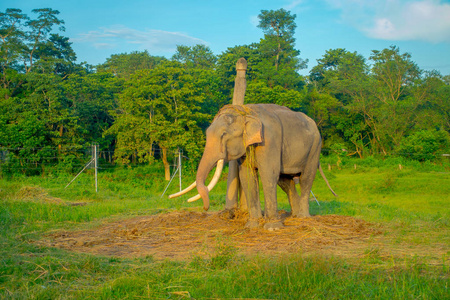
(326, 181)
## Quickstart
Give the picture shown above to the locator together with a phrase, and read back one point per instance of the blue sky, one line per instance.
(100, 28)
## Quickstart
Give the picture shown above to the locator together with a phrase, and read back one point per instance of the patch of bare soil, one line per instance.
(181, 234)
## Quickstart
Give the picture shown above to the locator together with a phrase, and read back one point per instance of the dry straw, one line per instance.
(183, 234)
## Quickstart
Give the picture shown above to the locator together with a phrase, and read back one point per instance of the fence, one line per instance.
(75, 157)
(92, 158)
(74, 160)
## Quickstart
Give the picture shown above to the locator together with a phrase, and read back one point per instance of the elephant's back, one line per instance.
(291, 120)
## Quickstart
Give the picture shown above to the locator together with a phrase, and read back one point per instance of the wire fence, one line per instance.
(78, 160)
(75, 158)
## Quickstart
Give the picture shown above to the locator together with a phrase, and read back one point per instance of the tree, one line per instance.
(93, 97)
(56, 56)
(198, 56)
(425, 144)
(280, 61)
(258, 92)
(431, 92)
(343, 75)
(25, 42)
(126, 64)
(338, 71)
(159, 106)
(12, 34)
(226, 66)
(37, 34)
(394, 75)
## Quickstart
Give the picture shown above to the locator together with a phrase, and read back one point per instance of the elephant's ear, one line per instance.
(253, 131)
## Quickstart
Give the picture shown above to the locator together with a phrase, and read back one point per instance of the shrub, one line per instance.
(425, 145)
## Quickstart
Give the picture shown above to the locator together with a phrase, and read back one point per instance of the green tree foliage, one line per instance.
(25, 142)
(226, 66)
(12, 35)
(394, 75)
(425, 144)
(259, 92)
(198, 56)
(380, 104)
(200, 62)
(92, 98)
(142, 107)
(280, 60)
(339, 81)
(159, 107)
(41, 122)
(27, 45)
(124, 65)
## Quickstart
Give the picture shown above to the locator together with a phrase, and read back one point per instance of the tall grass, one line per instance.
(411, 204)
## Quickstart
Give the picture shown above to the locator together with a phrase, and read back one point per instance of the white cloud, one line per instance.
(293, 4)
(426, 20)
(151, 39)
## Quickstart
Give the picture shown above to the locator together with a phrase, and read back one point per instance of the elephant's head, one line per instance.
(233, 129)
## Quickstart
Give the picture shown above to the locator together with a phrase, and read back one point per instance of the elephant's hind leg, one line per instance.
(306, 182)
(287, 184)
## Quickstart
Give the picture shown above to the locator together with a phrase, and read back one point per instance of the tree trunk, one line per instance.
(166, 164)
(61, 131)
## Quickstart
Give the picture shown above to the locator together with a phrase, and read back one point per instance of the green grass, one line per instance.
(412, 205)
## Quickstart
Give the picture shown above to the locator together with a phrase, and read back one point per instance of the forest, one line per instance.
(141, 108)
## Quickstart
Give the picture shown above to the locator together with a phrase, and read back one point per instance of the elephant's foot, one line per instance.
(252, 224)
(301, 214)
(271, 226)
(227, 213)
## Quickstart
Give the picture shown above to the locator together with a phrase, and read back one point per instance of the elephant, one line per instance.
(272, 141)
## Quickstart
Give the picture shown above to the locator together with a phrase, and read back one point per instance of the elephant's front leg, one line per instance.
(249, 183)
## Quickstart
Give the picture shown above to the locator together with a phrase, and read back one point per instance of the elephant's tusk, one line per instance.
(189, 188)
(213, 182)
(195, 198)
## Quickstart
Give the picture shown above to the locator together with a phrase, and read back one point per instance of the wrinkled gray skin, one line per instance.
(272, 141)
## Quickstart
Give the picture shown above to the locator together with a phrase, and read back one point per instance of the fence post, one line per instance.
(179, 167)
(94, 159)
(95, 167)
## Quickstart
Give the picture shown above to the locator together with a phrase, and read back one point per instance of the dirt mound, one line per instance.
(182, 234)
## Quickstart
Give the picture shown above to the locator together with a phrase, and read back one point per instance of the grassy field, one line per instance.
(411, 205)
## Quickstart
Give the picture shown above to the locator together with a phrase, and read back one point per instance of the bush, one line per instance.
(425, 145)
